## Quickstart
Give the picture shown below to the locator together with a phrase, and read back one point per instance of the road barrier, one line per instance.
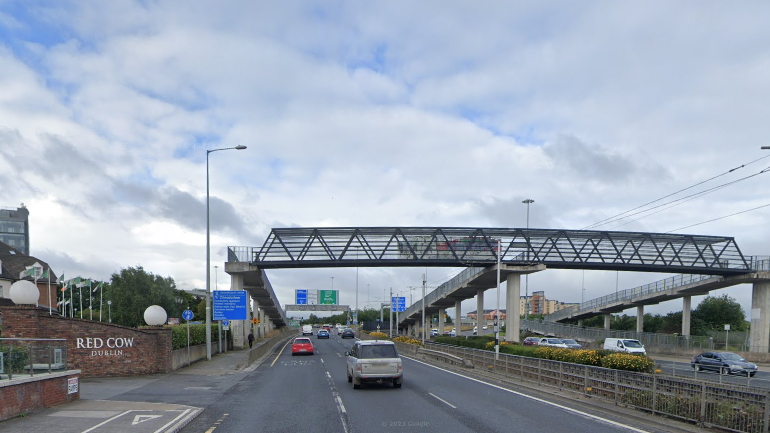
(732, 407)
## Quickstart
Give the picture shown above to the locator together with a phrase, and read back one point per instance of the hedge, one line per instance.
(197, 335)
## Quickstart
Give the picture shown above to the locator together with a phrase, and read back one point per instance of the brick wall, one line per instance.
(96, 348)
(31, 394)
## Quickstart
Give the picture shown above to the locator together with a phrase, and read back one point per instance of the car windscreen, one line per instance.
(301, 341)
(554, 341)
(378, 351)
(632, 343)
(569, 341)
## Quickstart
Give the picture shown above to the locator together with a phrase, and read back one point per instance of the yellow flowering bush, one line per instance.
(379, 335)
(405, 339)
(628, 362)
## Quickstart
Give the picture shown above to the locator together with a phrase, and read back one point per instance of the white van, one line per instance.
(307, 330)
(624, 345)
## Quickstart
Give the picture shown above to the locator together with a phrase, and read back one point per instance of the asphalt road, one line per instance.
(311, 393)
(684, 369)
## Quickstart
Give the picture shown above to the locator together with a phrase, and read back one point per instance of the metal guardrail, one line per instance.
(731, 407)
(31, 356)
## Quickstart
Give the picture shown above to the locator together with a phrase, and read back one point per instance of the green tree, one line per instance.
(132, 290)
(716, 312)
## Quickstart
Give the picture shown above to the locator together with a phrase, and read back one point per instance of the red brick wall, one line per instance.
(41, 393)
(144, 350)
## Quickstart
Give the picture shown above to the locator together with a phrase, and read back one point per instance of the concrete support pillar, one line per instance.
(409, 330)
(512, 307)
(441, 313)
(607, 319)
(580, 322)
(238, 328)
(479, 308)
(458, 313)
(262, 322)
(759, 336)
(686, 312)
(640, 318)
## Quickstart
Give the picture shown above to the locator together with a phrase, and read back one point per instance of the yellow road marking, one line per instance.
(279, 353)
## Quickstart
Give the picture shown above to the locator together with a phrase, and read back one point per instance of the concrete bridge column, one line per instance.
(479, 308)
(512, 300)
(640, 318)
(238, 328)
(759, 336)
(409, 330)
(607, 319)
(580, 322)
(458, 312)
(441, 313)
(686, 312)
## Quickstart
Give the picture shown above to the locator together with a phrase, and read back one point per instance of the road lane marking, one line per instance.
(116, 417)
(181, 415)
(568, 409)
(279, 353)
(443, 401)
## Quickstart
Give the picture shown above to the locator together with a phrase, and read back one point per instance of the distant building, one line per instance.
(15, 266)
(14, 228)
(538, 304)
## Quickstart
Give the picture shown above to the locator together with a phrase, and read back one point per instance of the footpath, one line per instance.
(111, 404)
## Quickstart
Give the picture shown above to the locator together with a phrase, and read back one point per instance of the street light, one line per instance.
(208, 252)
(109, 309)
(526, 276)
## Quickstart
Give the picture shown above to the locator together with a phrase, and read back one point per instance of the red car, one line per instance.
(302, 346)
(531, 341)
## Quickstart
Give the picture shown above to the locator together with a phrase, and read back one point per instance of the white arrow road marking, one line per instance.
(142, 418)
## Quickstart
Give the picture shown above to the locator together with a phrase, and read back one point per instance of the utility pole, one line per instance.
(423, 309)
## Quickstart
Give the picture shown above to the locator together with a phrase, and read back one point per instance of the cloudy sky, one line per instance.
(434, 113)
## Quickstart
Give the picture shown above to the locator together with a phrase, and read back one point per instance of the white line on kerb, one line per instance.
(568, 409)
(443, 401)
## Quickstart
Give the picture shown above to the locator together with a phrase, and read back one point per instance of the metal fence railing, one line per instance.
(731, 407)
(738, 341)
(31, 356)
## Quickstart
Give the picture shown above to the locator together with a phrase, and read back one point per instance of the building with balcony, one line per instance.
(14, 228)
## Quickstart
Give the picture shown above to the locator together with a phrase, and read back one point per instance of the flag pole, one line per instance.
(90, 301)
(72, 301)
(101, 299)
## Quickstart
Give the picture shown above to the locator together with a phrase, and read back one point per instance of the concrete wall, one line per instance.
(179, 356)
(96, 348)
(26, 393)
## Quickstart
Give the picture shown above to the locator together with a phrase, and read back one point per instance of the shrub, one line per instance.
(197, 335)
(379, 335)
(405, 339)
(19, 358)
(628, 362)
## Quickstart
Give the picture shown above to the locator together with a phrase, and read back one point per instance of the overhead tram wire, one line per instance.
(717, 219)
(682, 200)
(617, 217)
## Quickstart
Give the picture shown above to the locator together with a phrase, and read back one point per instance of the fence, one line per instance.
(732, 407)
(738, 341)
(31, 356)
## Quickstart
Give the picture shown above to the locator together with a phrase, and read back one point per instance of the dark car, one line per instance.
(531, 341)
(348, 333)
(322, 334)
(571, 344)
(724, 363)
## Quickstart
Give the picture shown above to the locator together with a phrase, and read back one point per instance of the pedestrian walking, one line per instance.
(251, 339)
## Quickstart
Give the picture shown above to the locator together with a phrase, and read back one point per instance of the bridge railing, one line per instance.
(441, 291)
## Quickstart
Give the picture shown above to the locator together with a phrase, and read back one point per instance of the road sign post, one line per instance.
(187, 315)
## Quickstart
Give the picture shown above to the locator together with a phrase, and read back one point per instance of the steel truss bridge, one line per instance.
(477, 247)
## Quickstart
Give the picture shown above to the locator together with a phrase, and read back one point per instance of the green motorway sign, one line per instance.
(328, 297)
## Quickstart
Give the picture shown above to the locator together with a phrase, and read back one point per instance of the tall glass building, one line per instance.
(14, 228)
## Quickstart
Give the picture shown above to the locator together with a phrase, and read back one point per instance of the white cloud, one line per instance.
(435, 114)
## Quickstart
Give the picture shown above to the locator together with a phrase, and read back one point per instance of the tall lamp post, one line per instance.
(526, 277)
(208, 253)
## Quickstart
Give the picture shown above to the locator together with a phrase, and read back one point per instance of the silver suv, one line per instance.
(374, 361)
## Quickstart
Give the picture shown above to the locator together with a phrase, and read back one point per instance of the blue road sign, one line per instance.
(187, 315)
(398, 304)
(301, 297)
(229, 304)
(225, 322)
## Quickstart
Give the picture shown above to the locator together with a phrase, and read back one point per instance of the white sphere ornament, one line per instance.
(155, 315)
(24, 292)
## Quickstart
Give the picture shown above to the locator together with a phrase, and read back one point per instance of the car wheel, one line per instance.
(698, 367)
(396, 385)
(356, 386)
(350, 379)
(752, 374)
